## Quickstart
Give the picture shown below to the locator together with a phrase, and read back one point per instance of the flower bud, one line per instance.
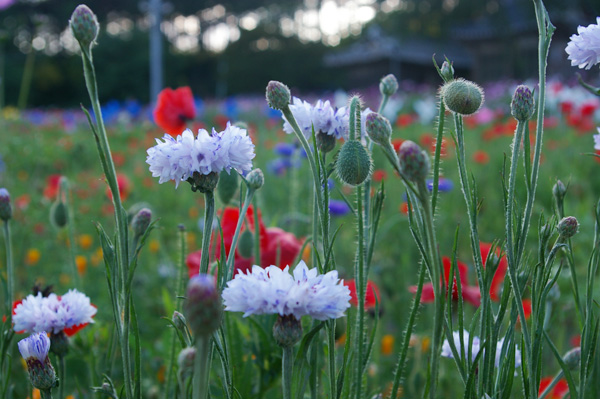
(203, 183)
(5, 207)
(573, 358)
(354, 164)
(378, 128)
(179, 321)
(414, 162)
(325, 142)
(462, 96)
(34, 350)
(141, 221)
(559, 190)
(278, 95)
(447, 71)
(185, 361)
(246, 244)
(202, 305)
(388, 85)
(255, 179)
(227, 187)
(84, 26)
(287, 330)
(59, 214)
(59, 343)
(567, 227)
(521, 106)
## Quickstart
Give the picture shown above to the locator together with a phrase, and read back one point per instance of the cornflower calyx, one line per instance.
(84, 26)
(378, 128)
(5, 206)
(388, 85)
(414, 162)
(567, 227)
(278, 95)
(287, 330)
(462, 96)
(522, 105)
(34, 350)
(255, 179)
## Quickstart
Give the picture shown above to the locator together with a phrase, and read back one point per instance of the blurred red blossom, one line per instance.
(51, 189)
(173, 109)
(558, 392)
(372, 296)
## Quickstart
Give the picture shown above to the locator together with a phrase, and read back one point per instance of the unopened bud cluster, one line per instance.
(447, 71)
(567, 227)
(84, 26)
(521, 106)
(414, 162)
(278, 95)
(378, 128)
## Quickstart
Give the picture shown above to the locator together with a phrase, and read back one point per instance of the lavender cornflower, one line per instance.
(475, 348)
(34, 350)
(584, 47)
(597, 140)
(275, 291)
(338, 208)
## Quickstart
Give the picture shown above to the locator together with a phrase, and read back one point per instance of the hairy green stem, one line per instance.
(287, 365)
(9, 269)
(200, 384)
(209, 212)
(45, 394)
(236, 234)
(361, 286)
(436, 157)
(62, 375)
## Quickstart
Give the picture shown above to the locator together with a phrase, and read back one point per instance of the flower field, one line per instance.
(339, 201)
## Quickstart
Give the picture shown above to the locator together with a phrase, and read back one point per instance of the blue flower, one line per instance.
(35, 346)
(284, 149)
(444, 185)
(338, 208)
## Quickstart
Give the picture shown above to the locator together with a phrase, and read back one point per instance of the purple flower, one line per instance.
(444, 185)
(338, 208)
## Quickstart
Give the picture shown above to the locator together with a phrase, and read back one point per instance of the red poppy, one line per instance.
(275, 243)
(68, 331)
(396, 143)
(481, 157)
(566, 107)
(379, 175)
(526, 308)
(173, 109)
(372, 296)
(498, 278)
(124, 185)
(51, 189)
(405, 120)
(588, 109)
(559, 390)
(470, 293)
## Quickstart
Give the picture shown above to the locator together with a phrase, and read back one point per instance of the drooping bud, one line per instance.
(278, 95)
(203, 183)
(559, 190)
(567, 227)
(521, 106)
(378, 128)
(84, 26)
(185, 361)
(246, 244)
(179, 321)
(59, 214)
(255, 179)
(573, 358)
(447, 71)
(5, 207)
(227, 187)
(202, 306)
(462, 96)
(354, 164)
(34, 350)
(388, 85)
(325, 142)
(414, 162)
(287, 330)
(141, 221)
(59, 343)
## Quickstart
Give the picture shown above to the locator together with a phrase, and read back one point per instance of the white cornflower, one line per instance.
(499, 346)
(475, 348)
(35, 346)
(584, 48)
(178, 159)
(303, 113)
(597, 140)
(53, 313)
(272, 290)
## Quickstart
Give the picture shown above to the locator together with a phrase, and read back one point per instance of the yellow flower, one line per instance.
(33, 256)
(154, 246)
(425, 344)
(306, 254)
(81, 263)
(64, 279)
(85, 241)
(387, 344)
(97, 257)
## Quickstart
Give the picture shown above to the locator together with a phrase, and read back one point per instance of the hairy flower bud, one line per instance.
(202, 305)
(378, 128)
(462, 96)
(567, 227)
(559, 190)
(59, 214)
(246, 244)
(354, 164)
(278, 95)
(388, 85)
(414, 162)
(84, 26)
(325, 142)
(227, 187)
(141, 221)
(5, 207)
(287, 330)
(447, 71)
(521, 106)
(573, 358)
(179, 321)
(255, 179)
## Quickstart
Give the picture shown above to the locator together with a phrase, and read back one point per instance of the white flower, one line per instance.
(303, 113)
(178, 159)
(499, 346)
(475, 348)
(272, 290)
(597, 140)
(35, 346)
(53, 313)
(584, 48)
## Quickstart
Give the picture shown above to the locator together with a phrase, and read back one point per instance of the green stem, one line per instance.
(178, 294)
(361, 285)
(332, 366)
(436, 158)
(26, 80)
(9, 269)
(287, 364)
(46, 394)
(62, 375)
(66, 192)
(238, 228)
(209, 211)
(200, 387)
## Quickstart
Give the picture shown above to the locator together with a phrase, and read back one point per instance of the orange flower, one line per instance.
(481, 157)
(387, 344)
(173, 109)
(85, 241)
(33, 256)
(81, 263)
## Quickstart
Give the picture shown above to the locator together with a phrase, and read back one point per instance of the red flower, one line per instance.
(379, 175)
(173, 109)
(405, 120)
(470, 293)
(481, 157)
(396, 143)
(124, 186)
(372, 296)
(498, 278)
(559, 390)
(275, 243)
(51, 189)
